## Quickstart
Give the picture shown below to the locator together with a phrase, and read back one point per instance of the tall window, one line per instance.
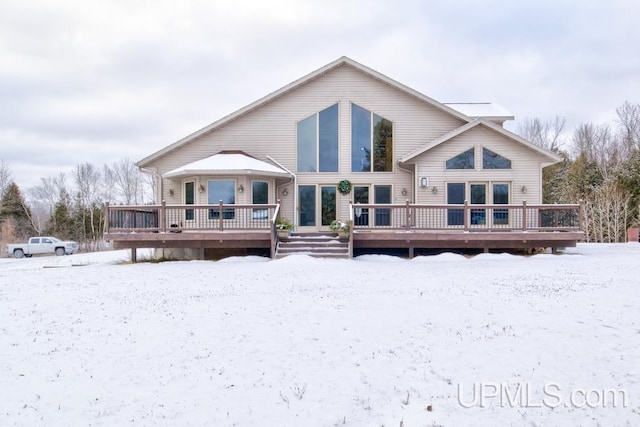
(260, 196)
(189, 199)
(318, 142)
(464, 160)
(361, 195)
(491, 160)
(371, 141)
(382, 195)
(225, 191)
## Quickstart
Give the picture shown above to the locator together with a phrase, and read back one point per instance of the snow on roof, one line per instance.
(481, 109)
(223, 163)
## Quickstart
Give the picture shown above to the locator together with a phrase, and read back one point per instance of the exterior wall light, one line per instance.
(240, 189)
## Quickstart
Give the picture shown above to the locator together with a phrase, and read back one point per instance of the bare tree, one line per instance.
(88, 181)
(598, 144)
(128, 181)
(546, 134)
(5, 176)
(44, 197)
(629, 123)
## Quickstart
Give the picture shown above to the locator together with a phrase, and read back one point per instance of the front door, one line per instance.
(317, 207)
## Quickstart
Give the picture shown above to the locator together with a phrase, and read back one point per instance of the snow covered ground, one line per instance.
(493, 340)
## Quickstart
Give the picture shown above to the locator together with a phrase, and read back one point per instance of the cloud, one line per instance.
(102, 80)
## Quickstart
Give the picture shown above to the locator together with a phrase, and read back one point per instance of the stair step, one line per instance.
(314, 250)
(327, 245)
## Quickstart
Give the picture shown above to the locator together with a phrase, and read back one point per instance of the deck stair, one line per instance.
(320, 245)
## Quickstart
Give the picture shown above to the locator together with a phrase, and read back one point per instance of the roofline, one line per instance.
(291, 86)
(554, 158)
(243, 172)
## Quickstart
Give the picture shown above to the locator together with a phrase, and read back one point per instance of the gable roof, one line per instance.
(553, 158)
(292, 86)
(227, 163)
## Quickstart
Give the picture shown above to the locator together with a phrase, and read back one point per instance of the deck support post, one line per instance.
(163, 217)
(220, 215)
(134, 255)
(407, 215)
(411, 252)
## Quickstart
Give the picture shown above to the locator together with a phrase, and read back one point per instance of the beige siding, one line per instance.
(271, 131)
(525, 166)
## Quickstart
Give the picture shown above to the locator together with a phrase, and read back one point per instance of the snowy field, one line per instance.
(493, 340)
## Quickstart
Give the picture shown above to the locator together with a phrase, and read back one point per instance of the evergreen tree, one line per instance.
(15, 208)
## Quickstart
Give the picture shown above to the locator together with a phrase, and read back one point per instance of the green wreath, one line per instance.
(344, 186)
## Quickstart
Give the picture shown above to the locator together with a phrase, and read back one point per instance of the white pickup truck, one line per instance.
(42, 245)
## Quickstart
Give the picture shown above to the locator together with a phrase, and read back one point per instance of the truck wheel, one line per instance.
(59, 251)
(18, 253)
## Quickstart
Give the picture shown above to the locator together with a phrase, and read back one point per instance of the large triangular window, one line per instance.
(464, 160)
(491, 160)
(371, 141)
(318, 142)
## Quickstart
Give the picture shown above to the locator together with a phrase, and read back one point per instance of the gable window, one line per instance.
(225, 191)
(371, 141)
(464, 160)
(318, 142)
(491, 160)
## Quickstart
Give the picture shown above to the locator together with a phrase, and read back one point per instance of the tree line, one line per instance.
(70, 206)
(600, 170)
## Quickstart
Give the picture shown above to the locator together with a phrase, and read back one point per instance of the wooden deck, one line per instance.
(374, 227)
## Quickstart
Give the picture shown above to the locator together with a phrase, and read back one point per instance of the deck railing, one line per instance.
(466, 217)
(178, 218)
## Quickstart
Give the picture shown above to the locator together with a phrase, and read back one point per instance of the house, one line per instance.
(347, 142)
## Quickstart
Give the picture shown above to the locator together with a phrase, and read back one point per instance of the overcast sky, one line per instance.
(97, 81)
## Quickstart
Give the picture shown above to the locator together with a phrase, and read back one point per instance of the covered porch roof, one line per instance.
(228, 163)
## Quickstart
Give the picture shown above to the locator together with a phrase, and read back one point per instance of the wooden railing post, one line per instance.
(220, 215)
(524, 215)
(407, 215)
(467, 215)
(106, 218)
(580, 217)
(163, 217)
